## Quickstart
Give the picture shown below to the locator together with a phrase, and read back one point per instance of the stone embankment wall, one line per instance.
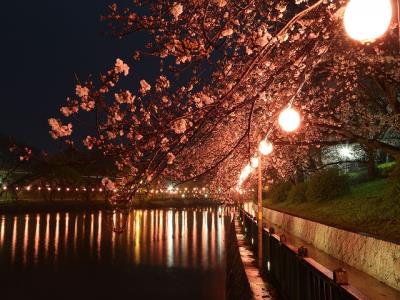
(378, 258)
(237, 283)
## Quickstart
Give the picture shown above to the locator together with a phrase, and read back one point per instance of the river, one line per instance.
(162, 254)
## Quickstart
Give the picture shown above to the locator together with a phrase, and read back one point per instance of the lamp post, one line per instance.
(264, 148)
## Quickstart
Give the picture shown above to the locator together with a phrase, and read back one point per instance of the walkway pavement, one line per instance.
(260, 288)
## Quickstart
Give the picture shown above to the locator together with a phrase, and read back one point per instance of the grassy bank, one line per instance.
(364, 209)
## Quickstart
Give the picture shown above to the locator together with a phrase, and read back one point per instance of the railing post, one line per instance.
(340, 276)
(302, 251)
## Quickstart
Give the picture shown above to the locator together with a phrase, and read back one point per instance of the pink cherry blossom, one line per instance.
(144, 86)
(89, 142)
(170, 158)
(108, 184)
(121, 67)
(58, 130)
(180, 126)
(177, 10)
(82, 91)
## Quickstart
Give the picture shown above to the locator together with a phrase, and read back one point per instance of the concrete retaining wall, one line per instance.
(237, 284)
(375, 257)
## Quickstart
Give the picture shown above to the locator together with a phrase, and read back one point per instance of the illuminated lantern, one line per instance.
(289, 119)
(254, 162)
(265, 147)
(244, 174)
(246, 171)
(367, 20)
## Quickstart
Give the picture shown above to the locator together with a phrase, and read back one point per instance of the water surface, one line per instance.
(162, 254)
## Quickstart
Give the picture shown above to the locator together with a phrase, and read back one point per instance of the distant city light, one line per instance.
(346, 152)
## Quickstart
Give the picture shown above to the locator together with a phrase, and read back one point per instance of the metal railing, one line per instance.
(292, 273)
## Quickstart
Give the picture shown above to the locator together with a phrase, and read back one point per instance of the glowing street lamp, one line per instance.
(367, 20)
(245, 173)
(265, 147)
(254, 162)
(289, 119)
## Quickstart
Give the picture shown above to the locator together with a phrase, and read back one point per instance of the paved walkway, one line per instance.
(261, 289)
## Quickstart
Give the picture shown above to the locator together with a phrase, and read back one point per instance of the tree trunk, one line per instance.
(371, 164)
(299, 176)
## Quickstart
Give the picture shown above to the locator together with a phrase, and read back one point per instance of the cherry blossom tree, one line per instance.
(227, 68)
(15, 163)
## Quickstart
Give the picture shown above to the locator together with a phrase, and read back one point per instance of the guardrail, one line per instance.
(292, 273)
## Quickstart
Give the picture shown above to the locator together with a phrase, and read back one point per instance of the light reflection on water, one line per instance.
(187, 238)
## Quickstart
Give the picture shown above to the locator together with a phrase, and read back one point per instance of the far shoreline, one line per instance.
(34, 206)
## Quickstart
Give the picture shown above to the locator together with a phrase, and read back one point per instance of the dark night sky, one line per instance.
(43, 43)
